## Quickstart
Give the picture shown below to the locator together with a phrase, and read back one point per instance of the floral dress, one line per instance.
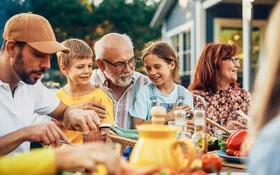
(222, 105)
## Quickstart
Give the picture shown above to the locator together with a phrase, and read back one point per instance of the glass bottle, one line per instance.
(199, 130)
(158, 114)
(179, 121)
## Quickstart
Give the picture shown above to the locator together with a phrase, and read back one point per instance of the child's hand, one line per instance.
(186, 108)
(190, 126)
(170, 115)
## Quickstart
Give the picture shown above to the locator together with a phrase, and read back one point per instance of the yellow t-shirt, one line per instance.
(36, 162)
(98, 95)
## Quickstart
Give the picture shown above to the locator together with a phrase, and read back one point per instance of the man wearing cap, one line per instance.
(28, 44)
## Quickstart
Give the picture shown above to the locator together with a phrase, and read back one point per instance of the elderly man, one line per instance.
(28, 44)
(116, 75)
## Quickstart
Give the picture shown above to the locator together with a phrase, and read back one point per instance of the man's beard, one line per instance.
(19, 68)
(122, 80)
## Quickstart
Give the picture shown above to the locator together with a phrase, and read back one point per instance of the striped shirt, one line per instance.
(121, 107)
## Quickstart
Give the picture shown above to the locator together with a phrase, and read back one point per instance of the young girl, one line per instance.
(162, 69)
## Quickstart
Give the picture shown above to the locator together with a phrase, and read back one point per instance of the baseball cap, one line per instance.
(35, 30)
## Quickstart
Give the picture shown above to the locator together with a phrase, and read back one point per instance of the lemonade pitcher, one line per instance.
(157, 145)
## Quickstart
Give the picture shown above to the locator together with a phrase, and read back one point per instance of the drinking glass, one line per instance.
(180, 120)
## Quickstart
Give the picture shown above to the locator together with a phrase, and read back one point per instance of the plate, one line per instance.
(231, 159)
(231, 173)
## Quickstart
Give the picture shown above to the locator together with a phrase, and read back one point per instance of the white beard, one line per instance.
(122, 80)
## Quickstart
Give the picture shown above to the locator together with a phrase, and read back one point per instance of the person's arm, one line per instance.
(139, 121)
(140, 110)
(59, 111)
(39, 161)
(77, 117)
(99, 108)
(46, 134)
(12, 140)
(234, 125)
(87, 156)
(90, 155)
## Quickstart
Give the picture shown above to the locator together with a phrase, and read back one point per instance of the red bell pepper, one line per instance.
(235, 140)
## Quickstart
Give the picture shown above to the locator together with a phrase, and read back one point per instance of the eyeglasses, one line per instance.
(121, 65)
(233, 59)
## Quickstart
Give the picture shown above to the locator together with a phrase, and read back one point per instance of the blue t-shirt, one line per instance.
(265, 155)
(142, 105)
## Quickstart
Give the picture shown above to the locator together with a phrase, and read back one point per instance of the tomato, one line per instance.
(230, 152)
(211, 163)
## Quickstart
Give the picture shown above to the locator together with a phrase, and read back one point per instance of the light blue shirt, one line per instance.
(264, 157)
(142, 105)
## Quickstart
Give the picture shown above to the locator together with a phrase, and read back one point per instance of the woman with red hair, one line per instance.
(215, 79)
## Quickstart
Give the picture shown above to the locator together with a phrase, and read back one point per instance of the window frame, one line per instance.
(179, 31)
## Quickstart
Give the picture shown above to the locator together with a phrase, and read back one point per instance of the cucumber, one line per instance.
(127, 133)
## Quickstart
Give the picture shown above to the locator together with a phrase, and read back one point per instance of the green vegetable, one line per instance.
(131, 134)
(212, 141)
(222, 143)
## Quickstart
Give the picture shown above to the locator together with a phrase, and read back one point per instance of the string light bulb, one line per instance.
(183, 3)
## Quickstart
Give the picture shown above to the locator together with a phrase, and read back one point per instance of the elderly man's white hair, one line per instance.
(111, 39)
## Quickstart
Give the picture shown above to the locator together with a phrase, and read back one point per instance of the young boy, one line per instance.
(77, 67)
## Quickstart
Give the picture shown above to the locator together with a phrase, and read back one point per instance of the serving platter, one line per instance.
(231, 159)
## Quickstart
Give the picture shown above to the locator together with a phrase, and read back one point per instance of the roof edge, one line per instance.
(161, 12)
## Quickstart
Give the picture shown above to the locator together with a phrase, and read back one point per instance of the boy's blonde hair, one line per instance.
(79, 50)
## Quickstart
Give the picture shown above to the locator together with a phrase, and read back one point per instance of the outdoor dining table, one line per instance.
(230, 167)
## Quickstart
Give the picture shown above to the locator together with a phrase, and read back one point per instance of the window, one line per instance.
(187, 52)
(181, 43)
(181, 38)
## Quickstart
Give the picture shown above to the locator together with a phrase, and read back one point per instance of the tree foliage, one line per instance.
(82, 19)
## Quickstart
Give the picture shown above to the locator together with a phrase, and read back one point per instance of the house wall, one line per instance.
(177, 15)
